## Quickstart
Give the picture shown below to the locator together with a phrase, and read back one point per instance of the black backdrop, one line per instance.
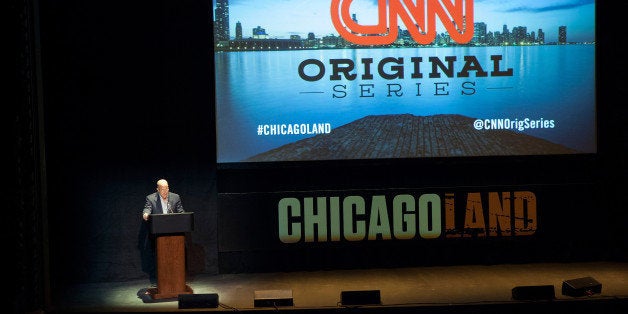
(128, 99)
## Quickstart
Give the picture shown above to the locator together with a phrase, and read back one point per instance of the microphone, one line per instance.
(168, 208)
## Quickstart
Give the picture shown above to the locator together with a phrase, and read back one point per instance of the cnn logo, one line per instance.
(419, 18)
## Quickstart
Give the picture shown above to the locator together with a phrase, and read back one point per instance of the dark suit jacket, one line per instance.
(153, 203)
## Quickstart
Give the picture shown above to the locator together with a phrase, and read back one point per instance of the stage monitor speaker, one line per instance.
(581, 286)
(543, 292)
(360, 297)
(195, 301)
(272, 298)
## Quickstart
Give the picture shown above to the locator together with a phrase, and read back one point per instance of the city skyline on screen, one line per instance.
(285, 18)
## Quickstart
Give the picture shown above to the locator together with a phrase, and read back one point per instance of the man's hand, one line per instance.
(145, 216)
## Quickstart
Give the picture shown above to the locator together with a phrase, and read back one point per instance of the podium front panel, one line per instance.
(171, 223)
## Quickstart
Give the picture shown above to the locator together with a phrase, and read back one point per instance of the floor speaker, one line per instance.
(195, 301)
(581, 286)
(544, 292)
(360, 297)
(272, 298)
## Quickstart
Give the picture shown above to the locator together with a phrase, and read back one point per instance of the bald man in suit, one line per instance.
(162, 202)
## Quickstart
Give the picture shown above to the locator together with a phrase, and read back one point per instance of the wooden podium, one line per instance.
(170, 230)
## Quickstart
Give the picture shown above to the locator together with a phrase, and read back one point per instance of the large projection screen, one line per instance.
(366, 79)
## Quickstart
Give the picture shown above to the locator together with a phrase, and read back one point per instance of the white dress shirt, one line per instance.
(164, 204)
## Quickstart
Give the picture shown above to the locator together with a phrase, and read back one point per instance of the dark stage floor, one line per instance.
(447, 289)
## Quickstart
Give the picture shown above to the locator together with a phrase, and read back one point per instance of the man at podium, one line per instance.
(162, 202)
(168, 226)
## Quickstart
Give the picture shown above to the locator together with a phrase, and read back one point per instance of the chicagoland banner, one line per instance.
(282, 231)
(273, 220)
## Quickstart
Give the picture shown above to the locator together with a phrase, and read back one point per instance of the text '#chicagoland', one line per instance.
(293, 129)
